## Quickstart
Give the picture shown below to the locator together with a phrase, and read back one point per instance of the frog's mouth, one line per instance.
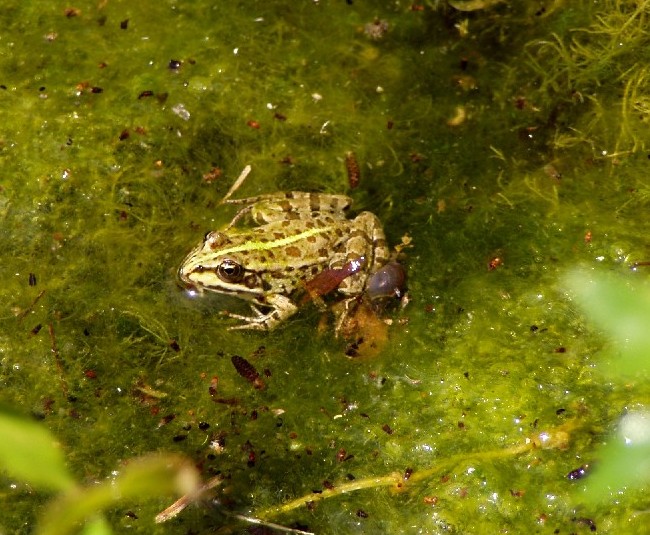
(187, 286)
(185, 281)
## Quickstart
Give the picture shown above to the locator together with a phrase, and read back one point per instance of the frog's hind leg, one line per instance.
(367, 241)
(366, 245)
(380, 250)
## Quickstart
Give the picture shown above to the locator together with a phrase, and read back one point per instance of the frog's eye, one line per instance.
(230, 271)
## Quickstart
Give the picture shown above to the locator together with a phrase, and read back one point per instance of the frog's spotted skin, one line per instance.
(297, 236)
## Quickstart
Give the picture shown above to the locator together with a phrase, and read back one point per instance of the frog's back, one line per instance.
(287, 249)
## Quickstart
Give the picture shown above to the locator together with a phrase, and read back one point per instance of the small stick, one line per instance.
(59, 362)
(237, 183)
(175, 508)
(272, 525)
(31, 307)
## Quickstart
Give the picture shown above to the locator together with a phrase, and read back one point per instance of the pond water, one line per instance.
(501, 146)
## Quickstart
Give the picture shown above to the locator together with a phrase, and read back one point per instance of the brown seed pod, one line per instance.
(247, 371)
(352, 167)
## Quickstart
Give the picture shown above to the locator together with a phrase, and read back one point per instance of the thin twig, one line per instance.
(237, 183)
(59, 361)
(175, 508)
(31, 307)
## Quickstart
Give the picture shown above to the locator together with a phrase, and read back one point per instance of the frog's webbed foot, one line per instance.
(343, 311)
(249, 322)
(264, 321)
(258, 322)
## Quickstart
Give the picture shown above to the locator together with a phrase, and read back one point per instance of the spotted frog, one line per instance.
(295, 237)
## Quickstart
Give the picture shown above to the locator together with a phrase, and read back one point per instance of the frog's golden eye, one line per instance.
(230, 271)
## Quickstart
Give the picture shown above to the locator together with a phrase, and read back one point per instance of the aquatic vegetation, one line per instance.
(578, 68)
(494, 141)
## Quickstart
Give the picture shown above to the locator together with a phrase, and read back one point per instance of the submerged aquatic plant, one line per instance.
(578, 68)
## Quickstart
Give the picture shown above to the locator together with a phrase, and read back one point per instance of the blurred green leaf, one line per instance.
(622, 309)
(140, 479)
(624, 462)
(97, 526)
(30, 453)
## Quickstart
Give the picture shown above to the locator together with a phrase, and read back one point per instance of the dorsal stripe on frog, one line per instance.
(281, 242)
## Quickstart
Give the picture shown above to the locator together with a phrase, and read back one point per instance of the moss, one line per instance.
(102, 194)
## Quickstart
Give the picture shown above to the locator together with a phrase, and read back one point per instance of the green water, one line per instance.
(102, 194)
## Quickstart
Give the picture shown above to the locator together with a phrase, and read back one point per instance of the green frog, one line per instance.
(295, 236)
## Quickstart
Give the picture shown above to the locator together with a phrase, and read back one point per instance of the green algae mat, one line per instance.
(504, 146)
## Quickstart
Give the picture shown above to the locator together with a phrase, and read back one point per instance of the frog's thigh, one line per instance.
(380, 250)
(273, 209)
(295, 205)
(367, 239)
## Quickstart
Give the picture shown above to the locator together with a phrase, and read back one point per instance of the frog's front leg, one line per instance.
(281, 308)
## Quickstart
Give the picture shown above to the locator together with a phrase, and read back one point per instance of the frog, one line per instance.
(291, 238)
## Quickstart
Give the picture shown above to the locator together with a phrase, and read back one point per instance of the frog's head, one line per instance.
(215, 266)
